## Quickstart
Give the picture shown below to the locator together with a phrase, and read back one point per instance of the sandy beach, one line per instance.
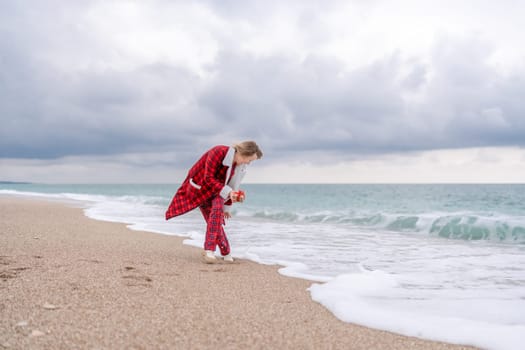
(69, 282)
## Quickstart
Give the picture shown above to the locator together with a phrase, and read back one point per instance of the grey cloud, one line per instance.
(311, 105)
(48, 113)
(316, 105)
(90, 114)
(476, 104)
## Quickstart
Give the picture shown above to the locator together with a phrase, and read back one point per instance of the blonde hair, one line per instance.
(248, 148)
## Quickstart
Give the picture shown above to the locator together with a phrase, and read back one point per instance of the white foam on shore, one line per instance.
(370, 299)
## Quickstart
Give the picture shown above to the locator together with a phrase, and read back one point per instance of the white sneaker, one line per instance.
(228, 258)
(209, 257)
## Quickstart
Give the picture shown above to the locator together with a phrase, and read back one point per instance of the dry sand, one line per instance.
(69, 282)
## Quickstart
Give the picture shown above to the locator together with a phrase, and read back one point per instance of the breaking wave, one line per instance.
(465, 226)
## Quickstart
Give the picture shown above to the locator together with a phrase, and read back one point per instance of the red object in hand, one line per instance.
(239, 195)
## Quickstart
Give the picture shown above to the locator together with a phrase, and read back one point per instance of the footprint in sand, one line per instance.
(134, 278)
(11, 273)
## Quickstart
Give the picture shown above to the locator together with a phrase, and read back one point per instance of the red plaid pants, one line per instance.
(213, 212)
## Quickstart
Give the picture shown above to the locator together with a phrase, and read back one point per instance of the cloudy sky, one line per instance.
(333, 91)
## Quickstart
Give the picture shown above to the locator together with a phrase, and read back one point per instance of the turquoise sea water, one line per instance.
(442, 262)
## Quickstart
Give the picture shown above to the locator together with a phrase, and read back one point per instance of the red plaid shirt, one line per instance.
(204, 181)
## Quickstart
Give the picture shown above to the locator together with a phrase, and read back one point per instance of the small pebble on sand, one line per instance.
(49, 306)
(37, 333)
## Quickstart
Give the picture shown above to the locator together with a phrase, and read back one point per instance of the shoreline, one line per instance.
(68, 281)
